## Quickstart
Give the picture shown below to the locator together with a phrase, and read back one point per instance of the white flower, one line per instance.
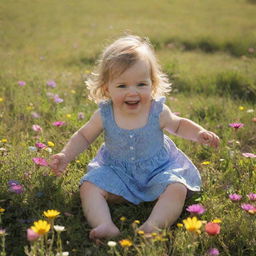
(59, 228)
(111, 243)
(32, 149)
(49, 150)
(250, 111)
(62, 254)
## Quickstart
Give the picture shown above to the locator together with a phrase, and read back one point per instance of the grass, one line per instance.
(208, 50)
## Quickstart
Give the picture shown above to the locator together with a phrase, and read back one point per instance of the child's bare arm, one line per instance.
(186, 128)
(79, 142)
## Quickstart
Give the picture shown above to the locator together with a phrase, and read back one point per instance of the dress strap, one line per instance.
(105, 111)
(158, 106)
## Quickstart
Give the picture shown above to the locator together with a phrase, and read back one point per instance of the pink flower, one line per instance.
(212, 228)
(18, 189)
(236, 125)
(80, 115)
(37, 128)
(40, 145)
(252, 196)
(248, 207)
(32, 235)
(40, 161)
(35, 115)
(51, 83)
(58, 123)
(21, 83)
(213, 251)
(196, 209)
(235, 197)
(249, 155)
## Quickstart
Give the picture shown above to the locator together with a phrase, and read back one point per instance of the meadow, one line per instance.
(49, 48)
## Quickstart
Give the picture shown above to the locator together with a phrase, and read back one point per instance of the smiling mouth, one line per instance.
(132, 102)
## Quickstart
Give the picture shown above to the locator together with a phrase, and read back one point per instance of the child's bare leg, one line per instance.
(167, 209)
(96, 211)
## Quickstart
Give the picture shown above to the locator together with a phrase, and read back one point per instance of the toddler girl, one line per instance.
(137, 162)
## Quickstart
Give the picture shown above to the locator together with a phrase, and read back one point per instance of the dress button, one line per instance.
(131, 148)
(132, 158)
(131, 135)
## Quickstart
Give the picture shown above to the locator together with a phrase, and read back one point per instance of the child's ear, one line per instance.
(105, 90)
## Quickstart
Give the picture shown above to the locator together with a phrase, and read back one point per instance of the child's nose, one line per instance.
(132, 90)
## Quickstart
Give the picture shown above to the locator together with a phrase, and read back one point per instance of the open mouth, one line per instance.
(132, 102)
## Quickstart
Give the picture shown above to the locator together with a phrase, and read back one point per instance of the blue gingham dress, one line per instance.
(139, 164)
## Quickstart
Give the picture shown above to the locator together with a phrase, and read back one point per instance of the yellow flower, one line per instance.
(51, 214)
(78, 161)
(41, 227)
(50, 144)
(1, 99)
(125, 243)
(136, 222)
(87, 71)
(206, 162)
(68, 115)
(73, 91)
(123, 218)
(241, 108)
(217, 221)
(2, 210)
(180, 225)
(3, 140)
(192, 224)
(140, 232)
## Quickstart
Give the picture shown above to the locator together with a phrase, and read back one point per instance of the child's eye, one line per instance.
(141, 84)
(121, 86)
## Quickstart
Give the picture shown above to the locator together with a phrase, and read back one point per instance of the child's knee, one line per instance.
(88, 188)
(176, 190)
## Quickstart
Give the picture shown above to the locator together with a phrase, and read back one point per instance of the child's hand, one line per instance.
(58, 163)
(208, 138)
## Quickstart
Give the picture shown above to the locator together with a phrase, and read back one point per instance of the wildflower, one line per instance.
(18, 189)
(49, 150)
(112, 243)
(4, 140)
(123, 218)
(136, 222)
(206, 163)
(125, 243)
(217, 221)
(180, 225)
(235, 197)
(40, 161)
(252, 196)
(41, 227)
(40, 145)
(62, 254)
(250, 110)
(213, 251)
(241, 108)
(58, 123)
(248, 207)
(80, 115)
(140, 232)
(249, 155)
(32, 149)
(57, 99)
(51, 214)
(51, 83)
(236, 125)
(212, 228)
(1, 99)
(58, 228)
(196, 209)
(32, 235)
(2, 232)
(13, 182)
(21, 83)
(35, 115)
(192, 224)
(50, 144)
(37, 128)
(2, 210)
(68, 115)
(73, 91)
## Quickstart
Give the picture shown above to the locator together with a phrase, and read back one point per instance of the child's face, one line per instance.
(131, 91)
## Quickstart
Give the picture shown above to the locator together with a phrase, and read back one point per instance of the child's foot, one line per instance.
(104, 231)
(149, 228)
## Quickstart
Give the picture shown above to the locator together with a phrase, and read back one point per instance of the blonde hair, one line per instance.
(117, 58)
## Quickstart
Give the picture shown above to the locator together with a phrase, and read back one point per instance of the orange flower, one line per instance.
(212, 228)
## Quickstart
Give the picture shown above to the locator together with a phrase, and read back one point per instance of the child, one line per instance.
(137, 162)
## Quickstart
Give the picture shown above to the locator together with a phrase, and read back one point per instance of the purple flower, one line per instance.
(235, 197)
(35, 115)
(80, 115)
(13, 182)
(18, 189)
(252, 196)
(213, 251)
(51, 83)
(40, 145)
(58, 123)
(21, 83)
(248, 207)
(249, 155)
(196, 209)
(57, 99)
(236, 125)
